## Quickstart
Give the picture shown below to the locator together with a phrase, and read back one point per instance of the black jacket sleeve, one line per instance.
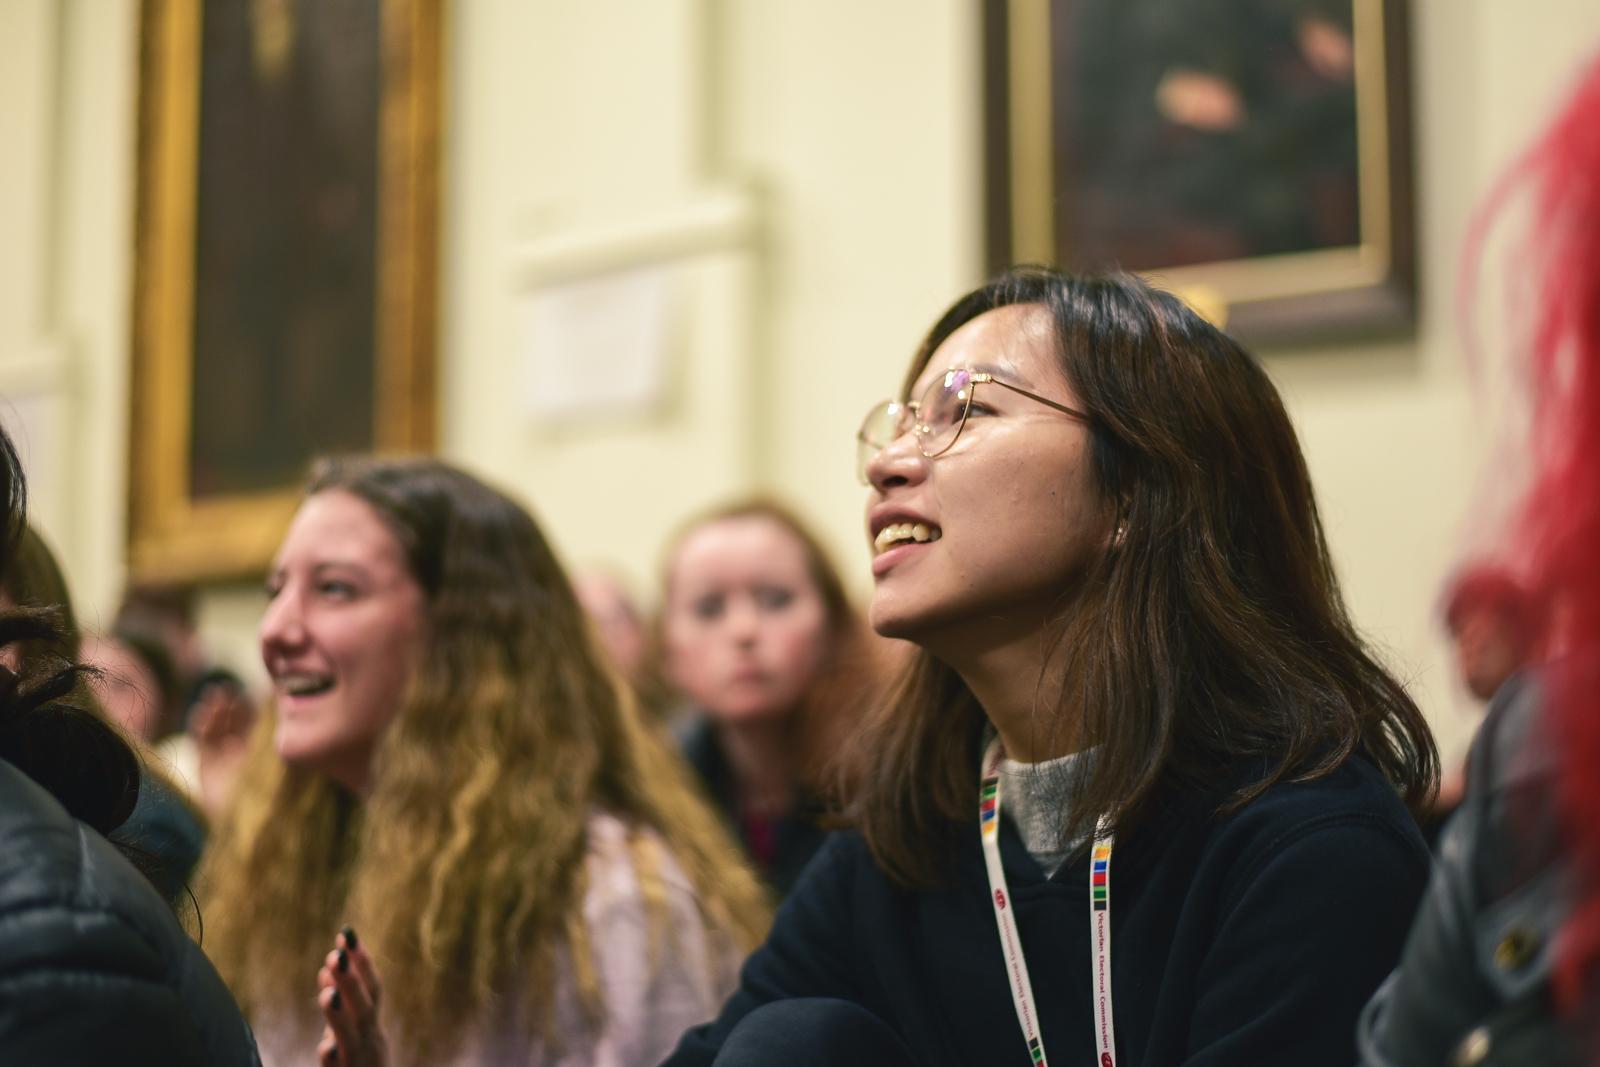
(80, 987)
(807, 954)
(1341, 895)
(94, 968)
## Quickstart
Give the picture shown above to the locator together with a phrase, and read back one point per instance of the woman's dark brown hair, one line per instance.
(1211, 637)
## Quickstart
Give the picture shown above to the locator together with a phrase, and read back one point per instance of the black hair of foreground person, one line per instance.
(163, 836)
(1252, 755)
(94, 967)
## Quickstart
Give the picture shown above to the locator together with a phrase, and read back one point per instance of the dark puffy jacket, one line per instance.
(94, 968)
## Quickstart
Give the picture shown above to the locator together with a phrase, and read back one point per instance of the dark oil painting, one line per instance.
(1203, 131)
(286, 238)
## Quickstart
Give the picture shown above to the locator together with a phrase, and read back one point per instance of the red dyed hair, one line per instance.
(1490, 588)
(1559, 526)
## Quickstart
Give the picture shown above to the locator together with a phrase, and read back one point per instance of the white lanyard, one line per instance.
(1105, 1033)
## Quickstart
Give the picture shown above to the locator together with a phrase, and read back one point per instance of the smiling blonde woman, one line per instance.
(452, 771)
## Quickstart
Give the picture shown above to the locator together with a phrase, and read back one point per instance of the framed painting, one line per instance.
(284, 263)
(1253, 156)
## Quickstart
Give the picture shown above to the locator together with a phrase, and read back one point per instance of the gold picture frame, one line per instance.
(284, 294)
(1055, 68)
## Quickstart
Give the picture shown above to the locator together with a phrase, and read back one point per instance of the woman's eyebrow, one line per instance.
(321, 567)
(1005, 373)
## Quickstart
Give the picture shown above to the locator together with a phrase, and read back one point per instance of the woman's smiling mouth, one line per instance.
(301, 684)
(903, 533)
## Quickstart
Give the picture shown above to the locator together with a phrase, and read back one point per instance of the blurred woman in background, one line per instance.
(451, 770)
(758, 635)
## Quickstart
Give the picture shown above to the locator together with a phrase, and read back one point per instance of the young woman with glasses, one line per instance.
(1141, 796)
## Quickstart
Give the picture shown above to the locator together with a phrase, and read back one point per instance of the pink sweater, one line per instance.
(650, 998)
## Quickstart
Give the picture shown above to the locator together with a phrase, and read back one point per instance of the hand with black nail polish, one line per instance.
(348, 992)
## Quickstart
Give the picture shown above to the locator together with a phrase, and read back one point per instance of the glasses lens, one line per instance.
(881, 426)
(943, 409)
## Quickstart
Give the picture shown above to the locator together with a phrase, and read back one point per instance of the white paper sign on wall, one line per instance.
(597, 346)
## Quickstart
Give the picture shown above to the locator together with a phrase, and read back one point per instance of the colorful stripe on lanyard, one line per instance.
(1105, 1033)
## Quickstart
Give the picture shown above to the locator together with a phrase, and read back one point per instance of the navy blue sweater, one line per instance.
(1246, 939)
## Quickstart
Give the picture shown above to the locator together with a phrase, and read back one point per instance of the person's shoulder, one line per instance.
(82, 929)
(1511, 748)
(610, 846)
(1353, 791)
(647, 923)
(39, 850)
(843, 852)
(57, 876)
(1351, 806)
(844, 869)
(622, 856)
(613, 848)
(696, 736)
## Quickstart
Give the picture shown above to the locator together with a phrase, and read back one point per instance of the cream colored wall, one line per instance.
(1393, 433)
(809, 177)
(574, 131)
(66, 81)
(858, 160)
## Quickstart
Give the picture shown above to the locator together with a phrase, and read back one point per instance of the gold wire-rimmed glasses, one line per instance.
(937, 419)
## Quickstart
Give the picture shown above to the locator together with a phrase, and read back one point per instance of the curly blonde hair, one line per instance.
(463, 867)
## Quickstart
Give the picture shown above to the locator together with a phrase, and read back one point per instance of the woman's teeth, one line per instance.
(898, 532)
(299, 685)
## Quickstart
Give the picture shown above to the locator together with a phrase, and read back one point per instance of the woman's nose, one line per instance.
(743, 620)
(899, 462)
(282, 627)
